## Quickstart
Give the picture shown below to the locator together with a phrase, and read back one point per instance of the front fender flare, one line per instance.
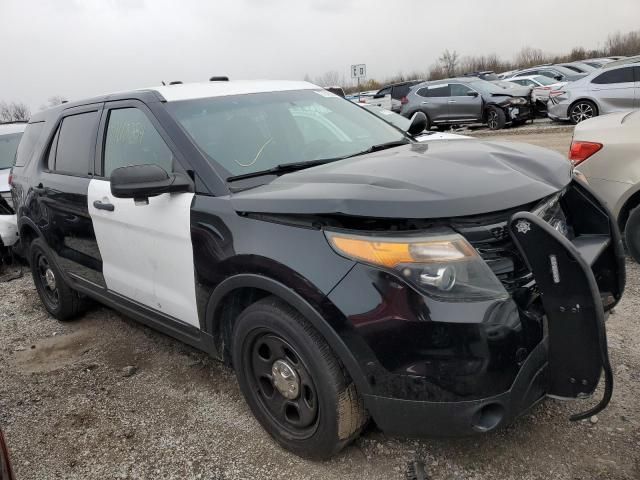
(249, 280)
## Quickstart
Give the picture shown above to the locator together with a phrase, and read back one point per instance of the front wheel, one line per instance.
(295, 386)
(581, 111)
(496, 118)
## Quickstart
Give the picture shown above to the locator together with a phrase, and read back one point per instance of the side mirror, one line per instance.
(143, 181)
(472, 94)
(558, 77)
(379, 95)
(418, 123)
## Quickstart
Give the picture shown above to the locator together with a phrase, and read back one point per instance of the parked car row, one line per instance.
(328, 251)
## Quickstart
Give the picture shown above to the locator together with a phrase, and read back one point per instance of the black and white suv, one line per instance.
(345, 270)
(10, 134)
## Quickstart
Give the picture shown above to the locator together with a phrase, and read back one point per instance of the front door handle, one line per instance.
(109, 207)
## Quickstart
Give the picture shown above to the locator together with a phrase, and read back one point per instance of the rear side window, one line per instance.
(28, 143)
(432, 91)
(620, 75)
(76, 139)
(132, 139)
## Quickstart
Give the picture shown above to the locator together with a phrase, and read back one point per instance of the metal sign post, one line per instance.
(359, 71)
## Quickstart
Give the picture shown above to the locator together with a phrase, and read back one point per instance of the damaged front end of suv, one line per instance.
(470, 298)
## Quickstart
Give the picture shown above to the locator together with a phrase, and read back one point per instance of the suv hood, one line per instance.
(429, 180)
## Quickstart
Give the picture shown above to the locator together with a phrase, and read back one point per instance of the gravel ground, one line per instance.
(104, 397)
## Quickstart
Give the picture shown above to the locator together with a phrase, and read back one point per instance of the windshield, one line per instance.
(251, 133)
(543, 80)
(8, 146)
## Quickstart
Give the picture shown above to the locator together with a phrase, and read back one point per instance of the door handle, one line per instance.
(109, 207)
(452, 101)
(424, 103)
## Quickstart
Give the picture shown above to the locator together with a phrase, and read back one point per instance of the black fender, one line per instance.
(249, 280)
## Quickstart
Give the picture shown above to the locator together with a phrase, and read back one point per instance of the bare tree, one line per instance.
(53, 101)
(529, 57)
(449, 62)
(329, 79)
(437, 72)
(14, 112)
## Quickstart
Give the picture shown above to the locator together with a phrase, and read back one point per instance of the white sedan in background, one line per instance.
(606, 150)
(542, 86)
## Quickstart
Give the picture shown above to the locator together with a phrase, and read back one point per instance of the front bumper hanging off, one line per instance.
(573, 306)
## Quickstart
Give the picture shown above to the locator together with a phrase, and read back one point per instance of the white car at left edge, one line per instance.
(10, 135)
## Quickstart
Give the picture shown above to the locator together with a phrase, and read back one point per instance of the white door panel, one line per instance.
(146, 250)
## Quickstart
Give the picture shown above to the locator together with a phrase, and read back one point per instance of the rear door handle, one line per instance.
(109, 207)
(452, 101)
(424, 103)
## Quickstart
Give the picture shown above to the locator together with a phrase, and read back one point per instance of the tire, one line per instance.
(324, 412)
(57, 297)
(582, 110)
(632, 234)
(428, 127)
(496, 118)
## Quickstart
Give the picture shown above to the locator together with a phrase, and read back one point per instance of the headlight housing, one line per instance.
(517, 101)
(442, 265)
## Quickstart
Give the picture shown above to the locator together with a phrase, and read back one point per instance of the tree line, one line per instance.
(451, 64)
(20, 112)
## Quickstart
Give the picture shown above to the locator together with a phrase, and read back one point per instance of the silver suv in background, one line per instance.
(601, 92)
(456, 101)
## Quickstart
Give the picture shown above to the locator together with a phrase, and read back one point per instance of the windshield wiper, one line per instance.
(382, 146)
(283, 168)
(292, 167)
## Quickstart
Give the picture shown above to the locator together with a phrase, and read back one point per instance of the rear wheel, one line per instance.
(496, 118)
(632, 234)
(428, 127)
(582, 110)
(57, 297)
(292, 381)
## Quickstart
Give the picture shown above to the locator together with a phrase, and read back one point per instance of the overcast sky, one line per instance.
(78, 48)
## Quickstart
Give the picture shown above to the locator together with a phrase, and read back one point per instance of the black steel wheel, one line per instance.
(282, 382)
(56, 296)
(292, 381)
(582, 110)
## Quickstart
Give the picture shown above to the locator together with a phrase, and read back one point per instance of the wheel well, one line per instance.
(584, 100)
(228, 309)
(27, 235)
(632, 202)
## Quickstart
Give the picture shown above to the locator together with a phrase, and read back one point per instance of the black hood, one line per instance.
(432, 180)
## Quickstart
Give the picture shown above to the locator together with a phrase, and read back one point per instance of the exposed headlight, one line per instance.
(517, 101)
(443, 265)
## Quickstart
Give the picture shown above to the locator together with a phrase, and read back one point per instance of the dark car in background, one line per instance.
(398, 91)
(464, 100)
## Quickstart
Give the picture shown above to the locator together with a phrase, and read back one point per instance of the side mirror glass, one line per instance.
(472, 94)
(558, 77)
(143, 181)
(418, 123)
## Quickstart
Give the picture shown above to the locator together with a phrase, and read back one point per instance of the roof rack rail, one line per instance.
(176, 82)
(219, 79)
(14, 121)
